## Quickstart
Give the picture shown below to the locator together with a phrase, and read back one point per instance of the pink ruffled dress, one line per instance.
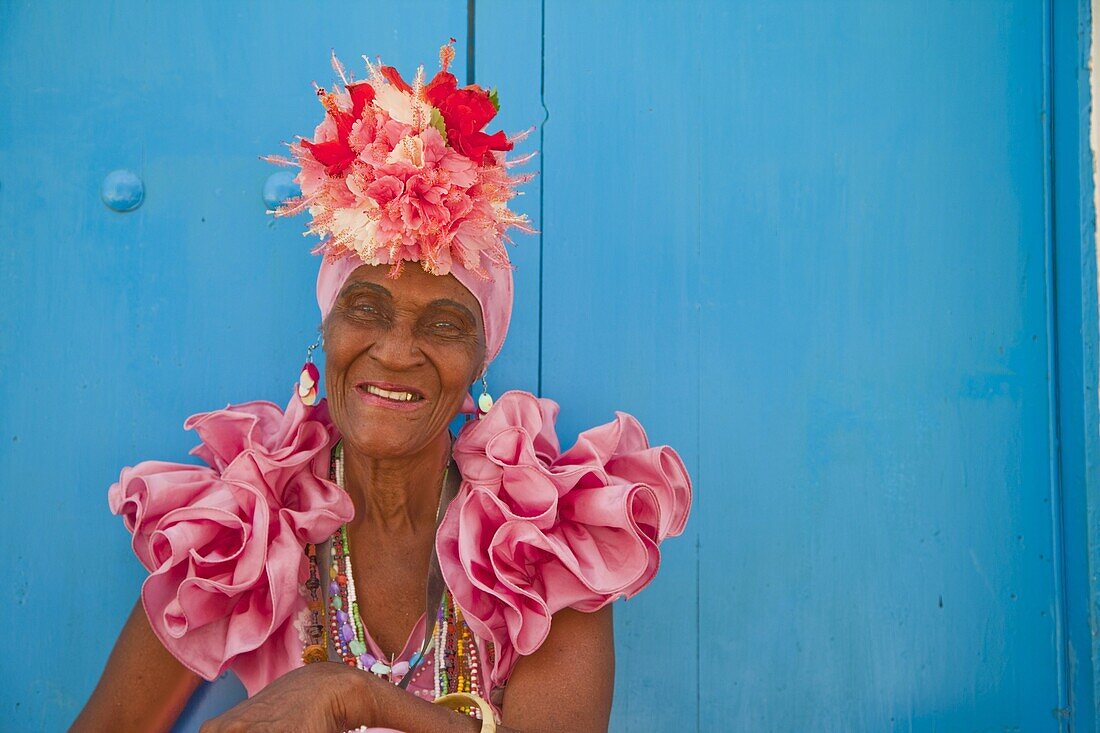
(532, 530)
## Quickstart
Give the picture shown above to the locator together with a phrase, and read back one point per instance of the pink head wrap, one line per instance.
(494, 296)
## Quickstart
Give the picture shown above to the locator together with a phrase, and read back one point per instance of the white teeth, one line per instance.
(396, 396)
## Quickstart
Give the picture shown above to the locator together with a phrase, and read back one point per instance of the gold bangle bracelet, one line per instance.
(457, 700)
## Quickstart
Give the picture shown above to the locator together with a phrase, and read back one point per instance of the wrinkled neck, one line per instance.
(397, 494)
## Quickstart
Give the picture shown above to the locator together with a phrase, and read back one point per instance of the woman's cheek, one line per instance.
(463, 360)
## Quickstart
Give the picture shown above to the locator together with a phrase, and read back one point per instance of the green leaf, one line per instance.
(494, 99)
(437, 122)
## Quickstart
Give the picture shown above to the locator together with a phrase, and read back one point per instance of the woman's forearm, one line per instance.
(143, 687)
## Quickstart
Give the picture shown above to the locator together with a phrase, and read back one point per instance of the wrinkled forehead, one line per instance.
(414, 288)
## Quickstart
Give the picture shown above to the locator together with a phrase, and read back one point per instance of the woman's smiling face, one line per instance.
(400, 356)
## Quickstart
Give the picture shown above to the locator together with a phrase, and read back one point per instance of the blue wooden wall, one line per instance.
(838, 254)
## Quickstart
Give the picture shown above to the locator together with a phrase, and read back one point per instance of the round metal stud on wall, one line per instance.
(122, 190)
(279, 187)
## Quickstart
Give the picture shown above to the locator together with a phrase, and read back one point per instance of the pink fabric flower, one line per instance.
(224, 542)
(534, 530)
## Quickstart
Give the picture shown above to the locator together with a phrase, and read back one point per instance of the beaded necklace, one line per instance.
(456, 661)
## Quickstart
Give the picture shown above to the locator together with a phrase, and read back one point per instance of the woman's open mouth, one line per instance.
(394, 396)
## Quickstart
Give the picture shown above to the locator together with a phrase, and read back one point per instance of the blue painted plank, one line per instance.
(621, 161)
(882, 407)
(118, 326)
(893, 229)
(811, 238)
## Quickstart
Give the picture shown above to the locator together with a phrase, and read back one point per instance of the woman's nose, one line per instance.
(397, 349)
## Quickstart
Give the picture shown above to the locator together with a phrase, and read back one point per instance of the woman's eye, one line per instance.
(445, 325)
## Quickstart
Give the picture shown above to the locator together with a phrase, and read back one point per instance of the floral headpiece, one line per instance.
(398, 172)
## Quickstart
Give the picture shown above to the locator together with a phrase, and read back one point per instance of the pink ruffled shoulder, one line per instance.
(224, 542)
(534, 530)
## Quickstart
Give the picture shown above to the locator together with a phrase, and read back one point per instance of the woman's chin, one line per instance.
(381, 433)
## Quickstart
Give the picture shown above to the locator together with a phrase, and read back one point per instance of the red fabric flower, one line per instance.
(440, 87)
(393, 77)
(466, 112)
(362, 94)
(336, 155)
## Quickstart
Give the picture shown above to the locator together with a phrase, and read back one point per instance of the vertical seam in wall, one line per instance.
(471, 30)
(698, 498)
(1053, 425)
(1089, 218)
(698, 560)
(542, 182)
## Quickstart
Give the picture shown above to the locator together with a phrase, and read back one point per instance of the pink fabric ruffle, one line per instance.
(534, 530)
(224, 542)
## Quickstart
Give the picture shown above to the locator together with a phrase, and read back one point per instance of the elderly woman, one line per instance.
(353, 563)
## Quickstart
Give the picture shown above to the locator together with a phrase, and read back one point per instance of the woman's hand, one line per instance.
(326, 697)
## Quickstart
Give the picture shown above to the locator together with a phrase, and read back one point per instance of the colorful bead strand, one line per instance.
(315, 648)
(452, 646)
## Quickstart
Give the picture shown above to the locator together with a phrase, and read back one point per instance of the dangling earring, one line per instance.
(310, 378)
(485, 401)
